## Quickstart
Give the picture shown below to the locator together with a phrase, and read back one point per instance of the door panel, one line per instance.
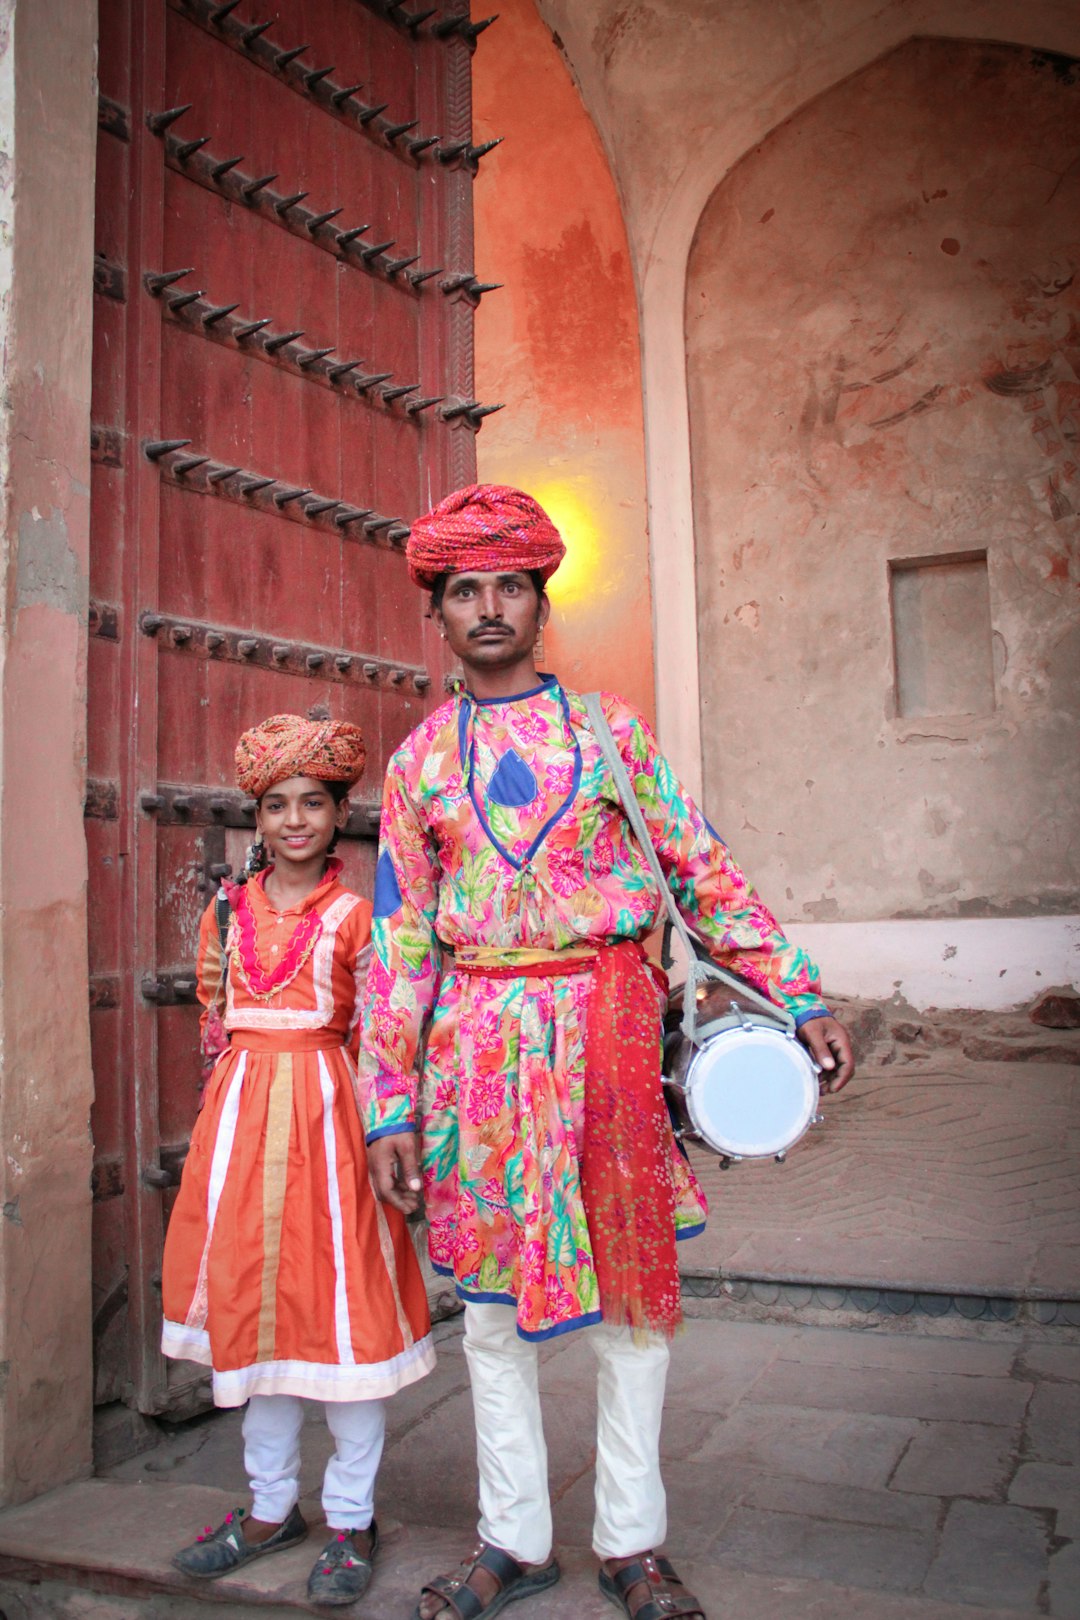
(251, 500)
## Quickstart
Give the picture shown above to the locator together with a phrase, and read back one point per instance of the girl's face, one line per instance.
(297, 819)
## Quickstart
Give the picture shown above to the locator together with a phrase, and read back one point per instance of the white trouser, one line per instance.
(515, 1508)
(272, 1425)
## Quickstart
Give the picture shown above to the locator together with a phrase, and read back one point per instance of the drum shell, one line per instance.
(742, 1117)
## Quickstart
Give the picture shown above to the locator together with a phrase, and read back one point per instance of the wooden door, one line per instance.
(283, 375)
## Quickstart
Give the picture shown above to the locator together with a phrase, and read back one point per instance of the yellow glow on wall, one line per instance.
(584, 570)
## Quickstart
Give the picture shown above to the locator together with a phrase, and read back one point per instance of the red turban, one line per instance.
(288, 745)
(487, 527)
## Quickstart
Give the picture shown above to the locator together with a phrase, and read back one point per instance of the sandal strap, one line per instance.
(458, 1595)
(666, 1605)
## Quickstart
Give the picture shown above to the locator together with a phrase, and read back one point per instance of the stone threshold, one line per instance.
(884, 1301)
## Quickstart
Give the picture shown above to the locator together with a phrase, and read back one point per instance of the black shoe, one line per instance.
(342, 1574)
(218, 1551)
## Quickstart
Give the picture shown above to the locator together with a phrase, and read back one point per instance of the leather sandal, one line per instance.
(667, 1598)
(216, 1552)
(342, 1574)
(461, 1602)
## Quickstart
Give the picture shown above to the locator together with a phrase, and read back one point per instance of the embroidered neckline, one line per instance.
(264, 983)
(467, 755)
(548, 683)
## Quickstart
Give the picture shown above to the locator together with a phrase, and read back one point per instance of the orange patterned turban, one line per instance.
(288, 745)
(488, 527)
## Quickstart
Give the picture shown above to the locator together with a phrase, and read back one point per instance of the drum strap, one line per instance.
(698, 972)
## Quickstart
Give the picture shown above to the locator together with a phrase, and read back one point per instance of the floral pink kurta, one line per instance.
(502, 829)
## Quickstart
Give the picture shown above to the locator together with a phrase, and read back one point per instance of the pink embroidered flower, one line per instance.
(559, 778)
(485, 1097)
(463, 1241)
(602, 857)
(566, 868)
(445, 1094)
(558, 1301)
(486, 1029)
(532, 1264)
(529, 725)
(441, 1240)
(493, 1194)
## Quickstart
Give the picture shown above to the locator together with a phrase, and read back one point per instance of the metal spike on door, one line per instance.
(182, 300)
(419, 146)
(318, 220)
(340, 97)
(283, 204)
(418, 277)
(186, 148)
(154, 449)
(309, 357)
(249, 328)
(272, 345)
(217, 313)
(345, 237)
(317, 75)
(392, 131)
(156, 281)
(252, 188)
(220, 170)
(219, 15)
(369, 114)
(283, 58)
(159, 122)
(248, 36)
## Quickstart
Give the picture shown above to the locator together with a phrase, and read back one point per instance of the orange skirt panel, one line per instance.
(282, 1271)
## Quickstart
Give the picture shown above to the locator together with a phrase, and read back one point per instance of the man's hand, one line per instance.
(829, 1045)
(394, 1166)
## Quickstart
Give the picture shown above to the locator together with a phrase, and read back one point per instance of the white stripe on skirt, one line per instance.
(219, 1166)
(342, 1325)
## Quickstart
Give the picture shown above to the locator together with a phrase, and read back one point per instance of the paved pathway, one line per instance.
(896, 1472)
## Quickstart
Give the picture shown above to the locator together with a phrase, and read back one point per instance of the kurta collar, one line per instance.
(257, 889)
(548, 684)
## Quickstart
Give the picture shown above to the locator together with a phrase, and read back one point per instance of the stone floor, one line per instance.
(900, 1471)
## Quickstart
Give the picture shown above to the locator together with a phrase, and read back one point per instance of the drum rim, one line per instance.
(803, 1066)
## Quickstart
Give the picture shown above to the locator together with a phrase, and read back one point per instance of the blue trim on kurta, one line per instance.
(546, 682)
(467, 755)
(390, 1130)
(513, 783)
(590, 1320)
(387, 897)
(690, 1231)
(815, 1012)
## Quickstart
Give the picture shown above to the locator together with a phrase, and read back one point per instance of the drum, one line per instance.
(747, 1090)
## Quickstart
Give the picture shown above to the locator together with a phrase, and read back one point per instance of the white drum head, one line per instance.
(751, 1092)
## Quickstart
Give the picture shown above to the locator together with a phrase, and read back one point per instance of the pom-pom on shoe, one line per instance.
(342, 1573)
(216, 1552)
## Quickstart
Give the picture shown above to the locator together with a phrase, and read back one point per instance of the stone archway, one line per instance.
(883, 340)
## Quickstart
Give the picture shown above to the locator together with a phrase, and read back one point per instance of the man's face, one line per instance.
(491, 620)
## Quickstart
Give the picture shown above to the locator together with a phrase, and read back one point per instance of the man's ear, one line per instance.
(545, 611)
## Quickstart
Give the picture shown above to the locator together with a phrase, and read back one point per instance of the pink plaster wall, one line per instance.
(47, 129)
(883, 348)
(559, 344)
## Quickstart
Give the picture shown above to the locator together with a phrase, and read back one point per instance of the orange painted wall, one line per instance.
(559, 344)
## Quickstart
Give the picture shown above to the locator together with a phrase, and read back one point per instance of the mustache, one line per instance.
(486, 629)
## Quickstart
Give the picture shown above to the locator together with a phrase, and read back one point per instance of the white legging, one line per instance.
(272, 1425)
(515, 1508)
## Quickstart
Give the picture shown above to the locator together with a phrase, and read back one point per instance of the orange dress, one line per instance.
(282, 1271)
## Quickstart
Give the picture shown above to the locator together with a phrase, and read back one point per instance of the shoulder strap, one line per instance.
(697, 970)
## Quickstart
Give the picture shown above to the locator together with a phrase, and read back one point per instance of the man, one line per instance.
(510, 903)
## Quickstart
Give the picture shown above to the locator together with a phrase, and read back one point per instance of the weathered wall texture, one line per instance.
(559, 344)
(47, 134)
(883, 335)
(679, 91)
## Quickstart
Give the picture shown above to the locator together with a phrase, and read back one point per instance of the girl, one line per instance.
(281, 1270)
